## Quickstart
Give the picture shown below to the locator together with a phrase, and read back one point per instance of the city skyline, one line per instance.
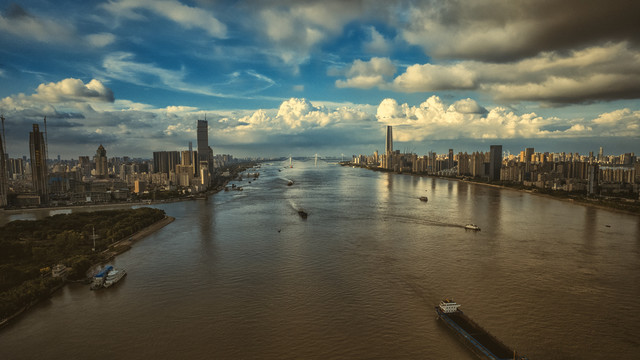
(327, 78)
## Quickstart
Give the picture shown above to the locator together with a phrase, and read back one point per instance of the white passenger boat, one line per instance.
(472, 227)
(114, 276)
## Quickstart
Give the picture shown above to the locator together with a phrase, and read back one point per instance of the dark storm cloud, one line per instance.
(132, 119)
(67, 115)
(79, 137)
(25, 118)
(63, 124)
(495, 30)
(576, 23)
(16, 11)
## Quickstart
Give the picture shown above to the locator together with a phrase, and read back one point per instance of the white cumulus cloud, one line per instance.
(428, 77)
(366, 74)
(74, 90)
(466, 119)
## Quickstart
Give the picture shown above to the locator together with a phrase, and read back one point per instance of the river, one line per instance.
(242, 276)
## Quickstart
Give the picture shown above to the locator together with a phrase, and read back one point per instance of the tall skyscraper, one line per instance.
(203, 140)
(4, 173)
(528, 152)
(387, 157)
(37, 147)
(389, 142)
(601, 154)
(495, 162)
(101, 162)
(450, 159)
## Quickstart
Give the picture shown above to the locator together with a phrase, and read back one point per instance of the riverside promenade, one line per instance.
(125, 244)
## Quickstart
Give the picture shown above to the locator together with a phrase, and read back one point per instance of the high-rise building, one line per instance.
(528, 152)
(495, 162)
(185, 158)
(100, 159)
(188, 161)
(84, 164)
(387, 157)
(477, 164)
(184, 174)
(193, 160)
(203, 140)
(204, 173)
(450, 159)
(165, 161)
(601, 154)
(593, 179)
(464, 161)
(16, 168)
(389, 141)
(37, 147)
(4, 173)
(205, 154)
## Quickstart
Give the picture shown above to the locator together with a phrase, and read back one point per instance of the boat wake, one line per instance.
(293, 205)
(412, 220)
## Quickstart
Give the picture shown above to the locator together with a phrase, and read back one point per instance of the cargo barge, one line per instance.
(477, 339)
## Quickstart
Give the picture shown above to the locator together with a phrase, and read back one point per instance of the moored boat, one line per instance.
(99, 278)
(424, 198)
(114, 276)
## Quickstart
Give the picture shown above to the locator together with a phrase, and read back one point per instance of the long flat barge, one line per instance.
(478, 340)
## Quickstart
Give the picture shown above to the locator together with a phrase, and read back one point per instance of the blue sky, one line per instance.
(305, 77)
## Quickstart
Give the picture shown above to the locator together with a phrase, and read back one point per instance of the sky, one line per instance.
(281, 77)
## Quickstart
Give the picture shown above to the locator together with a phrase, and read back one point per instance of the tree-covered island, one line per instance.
(29, 249)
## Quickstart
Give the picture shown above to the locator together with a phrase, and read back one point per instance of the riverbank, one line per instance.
(115, 249)
(17, 314)
(219, 187)
(574, 200)
(121, 246)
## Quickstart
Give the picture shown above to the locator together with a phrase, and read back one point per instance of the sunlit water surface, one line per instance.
(242, 276)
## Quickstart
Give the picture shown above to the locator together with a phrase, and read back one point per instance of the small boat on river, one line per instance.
(473, 227)
(424, 198)
(302, 214)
